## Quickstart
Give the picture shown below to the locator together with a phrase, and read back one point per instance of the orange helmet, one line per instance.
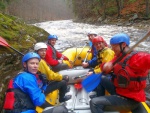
(98, 39)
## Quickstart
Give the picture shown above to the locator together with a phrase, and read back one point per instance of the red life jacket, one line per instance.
(16, 101)
(54, 55)
(128, 82)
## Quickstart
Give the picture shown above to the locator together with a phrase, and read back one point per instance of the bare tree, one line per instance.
(119, 6)
(147, 8)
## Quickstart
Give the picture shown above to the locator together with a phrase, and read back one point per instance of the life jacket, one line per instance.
(16, 101)
(103, 56)
(54, 51)
(128, 82)
(100, 56)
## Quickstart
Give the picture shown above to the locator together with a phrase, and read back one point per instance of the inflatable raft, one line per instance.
(79, 103)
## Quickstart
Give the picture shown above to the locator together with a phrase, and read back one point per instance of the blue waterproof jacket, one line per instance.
(93, 61)
(28, 83)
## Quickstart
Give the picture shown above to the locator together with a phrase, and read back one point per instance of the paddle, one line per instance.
(78, 87)
(92, 81)
(78, 55)
(81, 76)
(86, 56)
(4, 43)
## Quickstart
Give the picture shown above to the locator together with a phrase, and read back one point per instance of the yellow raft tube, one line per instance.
(77, 55)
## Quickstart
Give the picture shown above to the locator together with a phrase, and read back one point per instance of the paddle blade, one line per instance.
(3, 42)
(91, 82)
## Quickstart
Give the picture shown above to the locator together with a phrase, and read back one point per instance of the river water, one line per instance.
(75, 34)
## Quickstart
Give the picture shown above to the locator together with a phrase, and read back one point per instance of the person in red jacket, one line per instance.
(53, 57)
(128, 79)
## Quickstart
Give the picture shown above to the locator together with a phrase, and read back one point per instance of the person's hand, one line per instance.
(89, 73)
(107, 67)
(60, 61)
(85, 64)
(89, 51)
(66, 78)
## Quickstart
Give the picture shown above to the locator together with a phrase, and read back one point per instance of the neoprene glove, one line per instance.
(43, 78)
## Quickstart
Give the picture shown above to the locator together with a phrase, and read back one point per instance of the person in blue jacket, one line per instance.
(93, 62)
(26, 90)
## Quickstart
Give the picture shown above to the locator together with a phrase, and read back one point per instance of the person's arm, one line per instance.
(49, 57)
(44, 68)
(59, 55)
(93, 61)
(141, 61)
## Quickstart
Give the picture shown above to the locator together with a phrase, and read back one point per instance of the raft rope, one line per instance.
(84, 100)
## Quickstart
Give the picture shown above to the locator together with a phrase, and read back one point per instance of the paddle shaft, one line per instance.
(79, 54)
(86, 56)
(81, 76)
(131, 49)
(74, 101)
(16, 51)
(12, 48)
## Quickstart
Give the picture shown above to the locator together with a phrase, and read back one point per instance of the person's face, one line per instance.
(52, 42)
(91, 36)
(99, 45)
(32, 65)
(42, 52)
(116, 49)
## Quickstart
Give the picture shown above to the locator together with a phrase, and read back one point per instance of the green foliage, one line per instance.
(96, 9)
(2, 5)
(17, 33)
(131, 1)
(111, 10)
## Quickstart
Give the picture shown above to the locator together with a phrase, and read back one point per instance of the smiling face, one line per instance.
(99, 46)
(52, 41)
(32, 65)
(42, 52)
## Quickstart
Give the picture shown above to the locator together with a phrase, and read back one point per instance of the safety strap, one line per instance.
(128, 57)
(139, 78)
(99, 54)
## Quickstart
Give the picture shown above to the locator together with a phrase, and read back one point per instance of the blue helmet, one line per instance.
(52, 37)
(30, 55)
(119, 38)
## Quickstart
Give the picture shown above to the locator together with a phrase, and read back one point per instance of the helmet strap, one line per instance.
(122, 49)
(26, 68)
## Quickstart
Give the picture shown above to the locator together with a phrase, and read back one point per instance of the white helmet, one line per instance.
(92, 33)
(40, 45)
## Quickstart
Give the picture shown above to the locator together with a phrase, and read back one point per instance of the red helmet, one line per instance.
(97, 39)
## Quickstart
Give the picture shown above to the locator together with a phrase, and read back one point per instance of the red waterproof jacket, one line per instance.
(135, 69)
(52, 56)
